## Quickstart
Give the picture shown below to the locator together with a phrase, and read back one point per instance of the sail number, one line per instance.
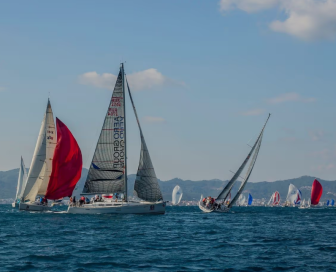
(118, 143)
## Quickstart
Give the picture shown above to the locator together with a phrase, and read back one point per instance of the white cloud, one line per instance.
(317, 135)
(247, 5)
(147, 79)
(305, 19)
(152, 119)
(253, 112)
(290, 97)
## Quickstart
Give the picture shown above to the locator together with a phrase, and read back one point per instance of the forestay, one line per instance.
(146, 185)
(107, 170)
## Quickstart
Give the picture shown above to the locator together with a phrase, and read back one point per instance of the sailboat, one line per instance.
(303, 204)
(249, 200)
(327, 204)
(177, 195)
(241, 200)
(274, 200)
(332, 203)
(108, 169)
(294, 196)
(220, 204)
(41, 165)
(316, 193)
(21, 184)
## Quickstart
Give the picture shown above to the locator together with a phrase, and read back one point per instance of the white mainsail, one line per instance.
(177, 195)
(271, 200)
(241, 200)
(21, 180)
(40, 168)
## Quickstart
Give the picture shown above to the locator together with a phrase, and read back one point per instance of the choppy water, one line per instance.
(184, 239)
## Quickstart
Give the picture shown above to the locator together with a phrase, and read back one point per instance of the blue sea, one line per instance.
(184, 239)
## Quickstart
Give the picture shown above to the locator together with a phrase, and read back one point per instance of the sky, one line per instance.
(204, 76)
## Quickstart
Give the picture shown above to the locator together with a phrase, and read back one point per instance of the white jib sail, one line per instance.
(271, 200)
(39, 164)
(292, 194)
(177, 195)
(21, 180)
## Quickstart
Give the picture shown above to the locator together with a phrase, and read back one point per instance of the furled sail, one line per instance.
(40, 168)
(67, 164)
(177, 195)
(146, 185)
(228, 187)
(21, 180)
(250, 200)
(108, 167)
(316, 192)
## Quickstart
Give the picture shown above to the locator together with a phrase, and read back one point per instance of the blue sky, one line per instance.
(204, 75)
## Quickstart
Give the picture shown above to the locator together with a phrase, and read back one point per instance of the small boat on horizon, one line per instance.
(274, 200)
(177, 195)
(22, 179)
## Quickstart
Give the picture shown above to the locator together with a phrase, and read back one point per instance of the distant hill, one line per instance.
(192, 190)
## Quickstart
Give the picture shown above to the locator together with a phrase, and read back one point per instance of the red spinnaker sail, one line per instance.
(316, 192)
(66, 166)
(276, 199)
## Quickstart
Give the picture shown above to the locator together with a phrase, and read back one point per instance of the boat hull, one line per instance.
(15, 205)
(119, 208)
(33, 207)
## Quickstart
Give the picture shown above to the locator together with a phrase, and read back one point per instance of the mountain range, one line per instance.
(192, 190)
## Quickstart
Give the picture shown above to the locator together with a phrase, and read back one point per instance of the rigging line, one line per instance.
(235, 173)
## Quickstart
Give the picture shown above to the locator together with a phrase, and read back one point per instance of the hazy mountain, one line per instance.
(192, 190)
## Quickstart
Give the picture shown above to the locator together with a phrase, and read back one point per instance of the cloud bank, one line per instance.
(290, 97)
(143, 80)
(304, 19)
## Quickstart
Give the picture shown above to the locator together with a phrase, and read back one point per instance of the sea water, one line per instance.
(184, 239)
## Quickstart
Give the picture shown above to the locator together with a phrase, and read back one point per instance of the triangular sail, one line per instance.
(107, 170)
(67, 164)
(40, 168)
(249, 171)
(21, 180)
(332, 202)
(146, 185)
(292, 195)
(228, 187)
(276, 200)
(271, 200)
(250, 200)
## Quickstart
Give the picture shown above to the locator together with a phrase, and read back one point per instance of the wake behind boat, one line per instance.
(108, 170)
(220, 204)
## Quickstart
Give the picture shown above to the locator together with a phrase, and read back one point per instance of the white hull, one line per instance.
(15, 205)
(223, 209)
(33, 207)
(119, 208)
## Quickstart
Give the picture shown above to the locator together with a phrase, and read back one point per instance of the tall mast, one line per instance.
(125, 138)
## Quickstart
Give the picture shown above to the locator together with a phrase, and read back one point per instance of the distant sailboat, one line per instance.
(332, 203)
(316, 193)
(41, 165)
(241, 200)
(220, 205)
(328, 202)
(294, 196)
(249, 200)
(21, 185)
(108, 169)
(177, 195)
(274, 200)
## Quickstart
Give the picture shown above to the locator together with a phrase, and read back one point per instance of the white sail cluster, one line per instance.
(294, 195)
(21, 181)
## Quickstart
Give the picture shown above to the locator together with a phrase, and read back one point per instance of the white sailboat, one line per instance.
(220, 205)
(294, 196)
(21, 184)
(41, 165)
(177, 195)
(303, 204)
(108, 169)
(241, 200)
